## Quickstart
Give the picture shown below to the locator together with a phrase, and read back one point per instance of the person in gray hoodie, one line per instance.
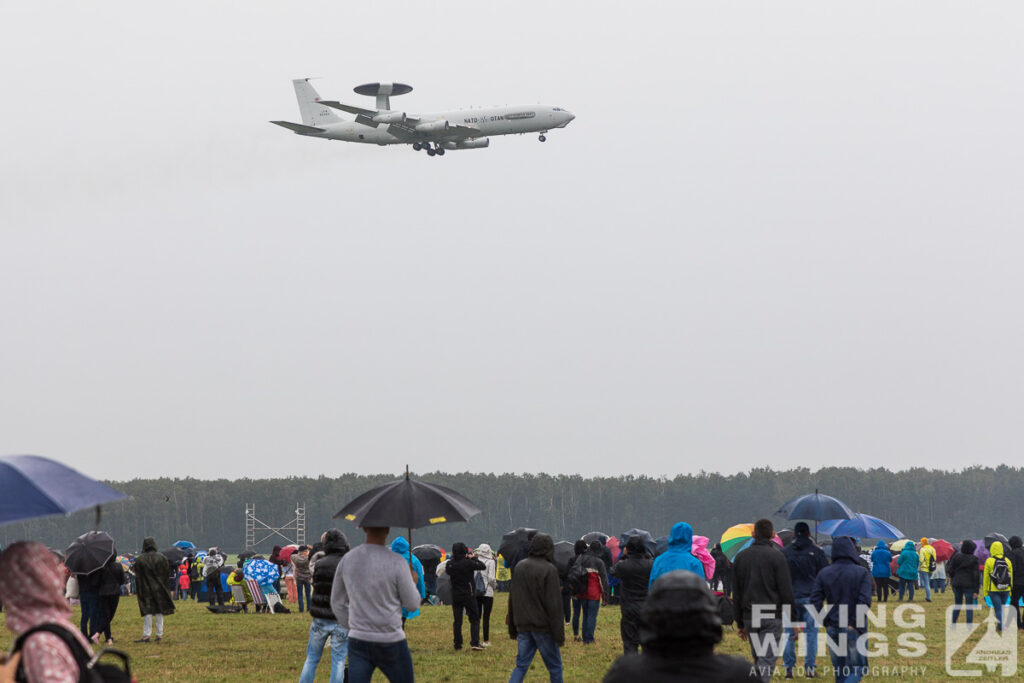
(371, 586)
(211, 572)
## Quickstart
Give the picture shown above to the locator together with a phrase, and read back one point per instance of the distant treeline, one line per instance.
(953, 505)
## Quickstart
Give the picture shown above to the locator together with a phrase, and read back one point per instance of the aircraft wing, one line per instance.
(299, 128)
(460, 133)
(333, 104)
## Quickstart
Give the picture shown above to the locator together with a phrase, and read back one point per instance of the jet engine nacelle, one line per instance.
(390, 117)
(433, 126)
(475, 143)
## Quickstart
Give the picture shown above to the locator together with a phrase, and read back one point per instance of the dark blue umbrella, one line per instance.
(816, 506)
(861, 526)
(645, 536)
(184, 545)
(32, 486)
(660, 545)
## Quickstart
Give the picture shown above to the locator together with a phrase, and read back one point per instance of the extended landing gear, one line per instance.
(440, 151)
(542, 138)
(417, 146)
(430, 151)
(436, 150)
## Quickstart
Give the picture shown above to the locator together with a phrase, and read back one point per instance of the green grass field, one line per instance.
(202, 646)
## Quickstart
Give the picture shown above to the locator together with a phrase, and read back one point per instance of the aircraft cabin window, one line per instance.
(521, 115)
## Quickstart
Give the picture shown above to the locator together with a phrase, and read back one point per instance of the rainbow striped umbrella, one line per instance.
(735, 537)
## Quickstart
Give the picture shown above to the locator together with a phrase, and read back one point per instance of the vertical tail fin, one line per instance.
(313, 113)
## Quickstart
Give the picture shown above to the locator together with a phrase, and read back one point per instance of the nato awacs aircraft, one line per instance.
(435, 133)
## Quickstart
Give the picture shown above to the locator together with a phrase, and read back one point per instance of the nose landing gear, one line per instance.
(542, 138)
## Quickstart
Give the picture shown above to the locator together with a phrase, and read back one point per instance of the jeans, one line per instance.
(850, 664)
(906, 585)
(303, 588)
(577, 609)
(789, 654)
(213, 588)
(926, 581)
(528, 643)
(1015, 596)
(765, 643)
(319, 631)
(938, 585)
(484, 606)
(92, 616)
(590, 608)
(467, 603)
(393, 660)
(999, 599)
(961, 597)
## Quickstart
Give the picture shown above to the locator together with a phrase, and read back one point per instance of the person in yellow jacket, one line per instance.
(997, 581)
(926, 558)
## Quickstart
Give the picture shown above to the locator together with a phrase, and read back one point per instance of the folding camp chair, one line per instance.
(238, 596)
(257, 594)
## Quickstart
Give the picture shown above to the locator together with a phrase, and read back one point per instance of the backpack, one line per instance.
(931, 564)
(479, 585)
(1000, 575)
(577, 578)
(725, 609)
(90, 669)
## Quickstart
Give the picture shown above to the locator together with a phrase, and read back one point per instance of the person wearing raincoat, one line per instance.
(237, 578)
(996, 583)
(401, 546)
(151, 572)
(485, 602)
(906, 570)
(700, 551)
(926, 565)
(881, 558)
(678, 555)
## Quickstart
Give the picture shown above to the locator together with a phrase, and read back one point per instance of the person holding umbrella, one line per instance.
(371, 587)
(462, 569)
(151, 571)
(634, 571)
(211, 573)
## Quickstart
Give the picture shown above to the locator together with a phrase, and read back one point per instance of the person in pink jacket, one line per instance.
(700, 551)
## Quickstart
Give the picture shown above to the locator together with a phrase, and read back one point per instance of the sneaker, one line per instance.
(143, 640)
(789, 672)
(810, 674)
(486, 643)
(159, 638)
(476, 647)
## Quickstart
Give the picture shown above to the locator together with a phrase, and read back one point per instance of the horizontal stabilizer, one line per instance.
(299, 128)
(348, 107)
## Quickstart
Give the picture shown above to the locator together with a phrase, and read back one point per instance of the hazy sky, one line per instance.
(782, 234)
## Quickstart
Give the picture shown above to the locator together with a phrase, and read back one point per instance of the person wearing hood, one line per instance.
(595, 589)
(926, 565)
(535, 619)
(211, 573)
(700, 551)
(151, 572)
(723, 571)
(762, 580)
(906, 569)
(401, 546)
(32, 593)
(461, 569)
(805, 559)
(487, 578)
(881, 558)
(578, 548)
(846, 586)
(997, 581)
(964, 578)
(678, 555)
(325, 624)
(634, 571)
(1016, 558)
(680, 626)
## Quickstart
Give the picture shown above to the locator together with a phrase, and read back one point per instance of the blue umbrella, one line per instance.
(816, 506)
(185, 545)
(32, 486)
(861, 526)
(263, 572)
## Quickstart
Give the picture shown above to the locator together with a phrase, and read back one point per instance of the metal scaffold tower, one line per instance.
(254, 525)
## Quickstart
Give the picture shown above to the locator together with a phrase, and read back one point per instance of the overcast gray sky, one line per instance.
(782, 234)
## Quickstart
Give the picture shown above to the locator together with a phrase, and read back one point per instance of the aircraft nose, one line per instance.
(567, 117)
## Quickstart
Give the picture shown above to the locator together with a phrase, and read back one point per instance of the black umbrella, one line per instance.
(595, 536)
(409, 503)
(512, 541)
(245, 555)
(993, 537)
(444, 589)
(786, 536)
(174, 555)
(816, 506)
(660, 545)
(89, 552)
(564, 552)
(645, 536)
(427, 552)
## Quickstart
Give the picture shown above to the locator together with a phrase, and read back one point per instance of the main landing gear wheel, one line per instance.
(430, 152)
(542, 138)
(440, 151)
(417, 146)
